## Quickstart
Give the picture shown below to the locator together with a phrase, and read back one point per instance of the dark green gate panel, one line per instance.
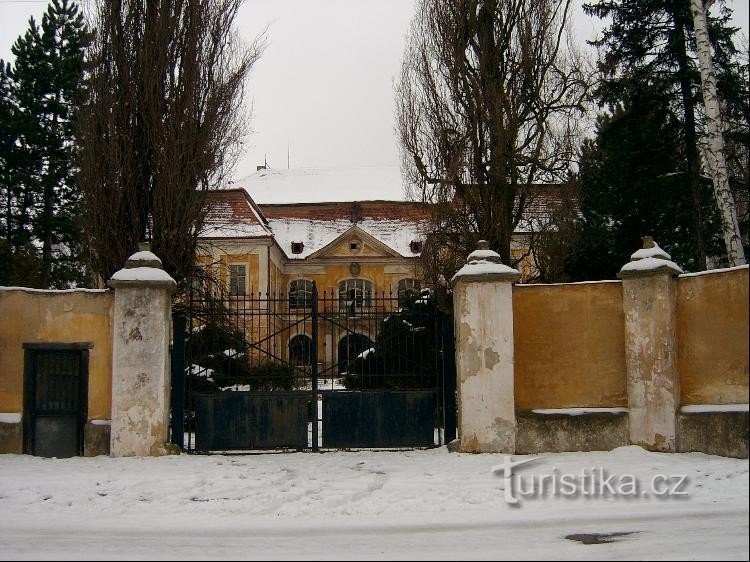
(389, 418)
(56, 436)
(245, 420)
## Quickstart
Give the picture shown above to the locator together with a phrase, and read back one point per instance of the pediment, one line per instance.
(355, 243)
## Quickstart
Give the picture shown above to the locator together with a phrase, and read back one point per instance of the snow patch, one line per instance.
(10, 417)
(485, 268)
(650, 264)
(711, 271)
(144, 255)
(580, 411)
(53, 291)
(654, 252)
(705, 408)
(142, 274)
(367, 505)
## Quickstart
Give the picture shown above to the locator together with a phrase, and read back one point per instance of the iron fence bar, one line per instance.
(178, 381)
(314, 361)
(269, 337)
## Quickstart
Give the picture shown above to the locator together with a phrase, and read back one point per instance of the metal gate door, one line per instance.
(55, 394)
(310, 370)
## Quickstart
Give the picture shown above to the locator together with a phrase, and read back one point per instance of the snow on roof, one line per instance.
(394, 223)
(316, 234)
(316, 205)
(315, 185)
(233, 214)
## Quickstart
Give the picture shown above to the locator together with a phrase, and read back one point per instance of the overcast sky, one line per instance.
(324, 86)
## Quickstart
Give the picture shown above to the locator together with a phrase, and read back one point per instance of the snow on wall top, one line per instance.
(315, 185)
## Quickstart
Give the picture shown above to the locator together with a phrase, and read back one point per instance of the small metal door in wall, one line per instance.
(55, 399)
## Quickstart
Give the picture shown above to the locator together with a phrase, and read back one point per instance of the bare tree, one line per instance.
(487, 104)
(715, 152)
(162, 124)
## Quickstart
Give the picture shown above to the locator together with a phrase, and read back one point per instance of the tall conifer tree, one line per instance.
(38, 191)
(650, 44)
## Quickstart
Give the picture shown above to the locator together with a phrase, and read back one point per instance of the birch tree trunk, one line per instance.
(716, 160)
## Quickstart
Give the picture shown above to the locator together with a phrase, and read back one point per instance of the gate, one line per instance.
(55, 399)
(312, 370)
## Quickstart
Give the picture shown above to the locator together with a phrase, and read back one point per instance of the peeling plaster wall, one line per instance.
(569, 346)
(651, 357)
(712, 328)
(140, 415)
(484, 367)
(74, 316)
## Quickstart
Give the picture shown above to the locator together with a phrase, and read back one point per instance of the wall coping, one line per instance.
(715, 271)
(579, 411)
(53, 291)
(573, 283)
(713, 408)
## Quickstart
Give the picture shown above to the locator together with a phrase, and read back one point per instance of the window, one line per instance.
(408, 290)
(300, 293)
(350, 348)
(297, 247)
(355, 246)
(299, 350)
(237, 280)
(355, 293)
(197, 280)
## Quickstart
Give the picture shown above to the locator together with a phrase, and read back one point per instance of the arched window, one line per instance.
(350, 347)
(299, 350)
(300, 293)
(408, 290)
(355, 294)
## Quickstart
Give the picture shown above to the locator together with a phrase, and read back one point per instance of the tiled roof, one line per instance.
(407, 211)
(233, 214)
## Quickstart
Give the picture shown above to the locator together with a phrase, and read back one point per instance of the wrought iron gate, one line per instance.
(312, 370)
(55, 399)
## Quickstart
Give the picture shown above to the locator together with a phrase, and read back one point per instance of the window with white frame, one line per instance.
(355, 293)
(300, 293)
(237, 280)
(408, 289)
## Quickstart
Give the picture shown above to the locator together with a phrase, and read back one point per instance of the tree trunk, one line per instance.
(691, 146)
(715, 153)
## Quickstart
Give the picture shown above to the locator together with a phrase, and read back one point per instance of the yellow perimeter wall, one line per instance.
(712, 325)
(569, 346)
(56, 317)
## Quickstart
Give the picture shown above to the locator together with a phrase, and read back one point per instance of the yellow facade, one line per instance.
(569, 346)
(34, 317)
(712, 336)
(271, 271)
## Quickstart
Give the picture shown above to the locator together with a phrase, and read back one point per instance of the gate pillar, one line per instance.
(649, 297)
(140, 358)
(483, 316)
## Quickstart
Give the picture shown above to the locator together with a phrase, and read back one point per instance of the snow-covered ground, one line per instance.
(363, 505)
